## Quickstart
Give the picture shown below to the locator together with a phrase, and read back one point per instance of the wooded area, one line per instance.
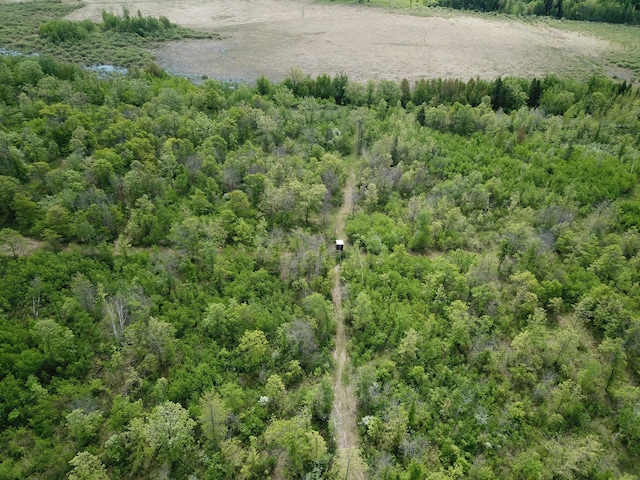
(165, 291)
(611, 11)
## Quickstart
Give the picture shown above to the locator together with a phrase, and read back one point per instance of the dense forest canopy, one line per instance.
(165, 275)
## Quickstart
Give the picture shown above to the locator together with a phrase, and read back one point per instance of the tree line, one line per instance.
(610, 11)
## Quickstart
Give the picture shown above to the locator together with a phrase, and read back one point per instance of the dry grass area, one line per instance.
(271, 36)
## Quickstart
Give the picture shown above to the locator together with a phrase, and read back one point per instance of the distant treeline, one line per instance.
(552, 94)
(611, 11)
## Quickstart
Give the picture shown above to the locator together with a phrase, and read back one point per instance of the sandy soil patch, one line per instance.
(271, 36)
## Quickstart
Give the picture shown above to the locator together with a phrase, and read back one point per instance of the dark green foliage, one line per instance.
(535, 91)
(630, 214)
(339, 83)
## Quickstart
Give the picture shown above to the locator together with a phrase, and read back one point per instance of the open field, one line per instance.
(271, 36)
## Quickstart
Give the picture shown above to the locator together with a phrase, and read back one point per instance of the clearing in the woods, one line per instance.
(271, 36)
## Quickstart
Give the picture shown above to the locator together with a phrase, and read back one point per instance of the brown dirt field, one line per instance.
(271, 36)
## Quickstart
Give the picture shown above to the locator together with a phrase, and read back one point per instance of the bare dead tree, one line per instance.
(117, 313)
(36, 295)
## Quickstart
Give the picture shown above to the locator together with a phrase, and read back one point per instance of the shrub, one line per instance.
(66, 31)
(142, 26)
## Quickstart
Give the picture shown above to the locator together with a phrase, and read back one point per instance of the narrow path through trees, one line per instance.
(348, 463)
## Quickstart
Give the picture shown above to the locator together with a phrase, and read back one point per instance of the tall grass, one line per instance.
(39, 27)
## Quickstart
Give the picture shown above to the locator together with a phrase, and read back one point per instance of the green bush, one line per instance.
(67, 31)
(142, 26)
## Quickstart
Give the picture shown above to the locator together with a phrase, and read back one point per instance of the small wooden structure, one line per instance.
(339, 245)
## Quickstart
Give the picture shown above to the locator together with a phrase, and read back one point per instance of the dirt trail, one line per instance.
(347, 206)
(348, 463)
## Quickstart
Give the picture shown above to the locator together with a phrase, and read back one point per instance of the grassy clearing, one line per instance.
(625, 39)
(21, 27)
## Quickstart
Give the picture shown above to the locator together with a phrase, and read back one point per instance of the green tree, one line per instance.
(150, 343)
(56, 341)
(296, 442)
(29, 72)
(556, 101)
(362, 311)
(615, 360)
(254, 348)
(275, 390)
(405, 90)
(143, 227)
(57, 219)
(213, 417)
(11, 242)
(408, 348)
(83, 426)
(26, 211)
(87, 467)
(8, 188)
(168, 431)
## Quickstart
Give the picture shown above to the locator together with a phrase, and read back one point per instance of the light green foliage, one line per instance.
(87, 467)
(215, 319)
(213, 417)
(194, 235)
(82, 425)
(293, 201)
(556, 101)
(123, 410)
(29, 72)
(574, 457)
(150, 345)
(142, 226)
(11, 242)
(297, 441)
(275, 390)
(254, 348)
(320, 400)
(362, 311)
(66, 30)
(408, 347)
(169, 431)
(55, 340)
